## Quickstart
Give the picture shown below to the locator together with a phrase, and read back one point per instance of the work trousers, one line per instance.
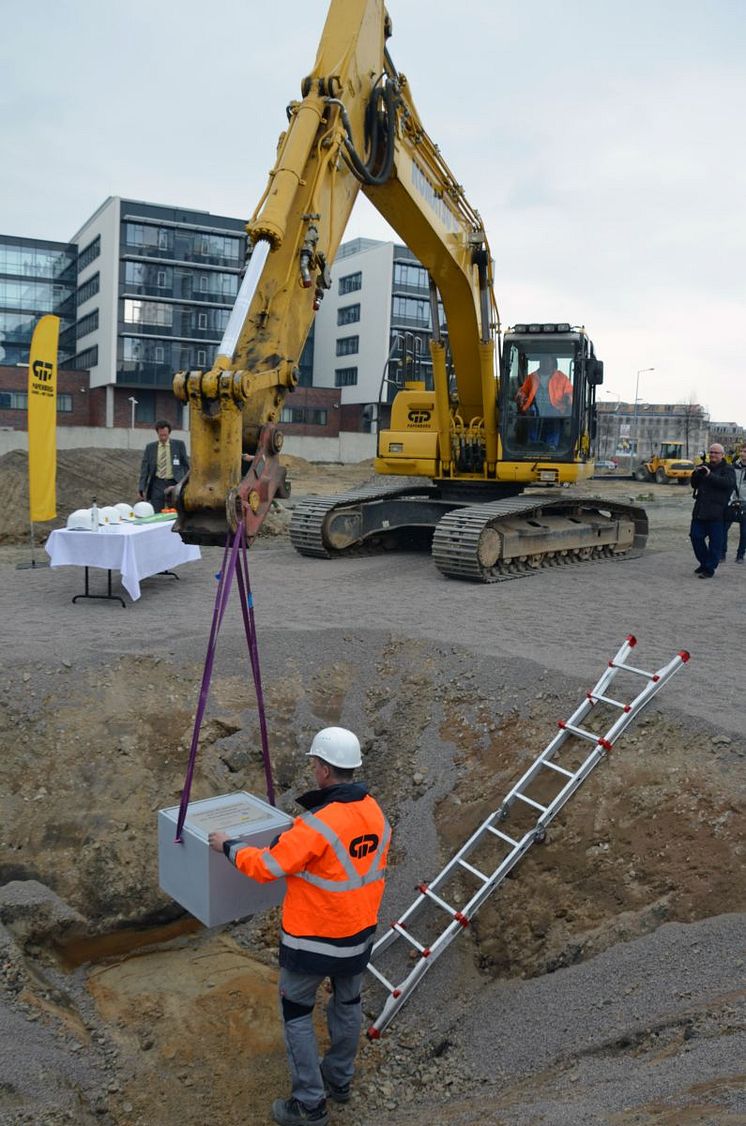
(741, 549)
(344, 1017)
(158, 492)
(707, 538)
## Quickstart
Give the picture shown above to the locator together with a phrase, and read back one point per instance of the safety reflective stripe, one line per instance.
(318, 946)
(340, 851)
(267, 858)
(273, 866)
(354, 880)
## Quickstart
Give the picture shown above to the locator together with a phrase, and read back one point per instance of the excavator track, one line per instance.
(488, 542)
(310, 532)
(516, 537)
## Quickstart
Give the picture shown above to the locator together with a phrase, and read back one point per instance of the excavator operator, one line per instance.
(547, 394)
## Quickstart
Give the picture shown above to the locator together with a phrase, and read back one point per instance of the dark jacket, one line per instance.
(712, 490)
(179, 461)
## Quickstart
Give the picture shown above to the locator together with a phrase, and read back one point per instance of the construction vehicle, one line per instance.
(460, 448)
(667, 467)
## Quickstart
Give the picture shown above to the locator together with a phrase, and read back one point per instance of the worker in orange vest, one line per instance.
(546, 393)
(333, 859)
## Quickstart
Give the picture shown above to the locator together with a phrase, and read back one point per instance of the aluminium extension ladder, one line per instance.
(425, 953)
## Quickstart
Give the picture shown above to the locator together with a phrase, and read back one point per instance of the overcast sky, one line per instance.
(601, 142)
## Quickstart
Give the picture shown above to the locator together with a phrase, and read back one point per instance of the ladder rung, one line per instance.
(608, 700)
(503, 836)
(591, 735)
(559, 769)
(383, 980)
(402, 930)
(475, 871)
(452, 911)
(630, 668)
(530, 801)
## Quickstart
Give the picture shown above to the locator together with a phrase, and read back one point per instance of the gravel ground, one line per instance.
(648, 1031)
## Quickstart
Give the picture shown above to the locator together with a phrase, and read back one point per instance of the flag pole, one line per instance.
(34, 564)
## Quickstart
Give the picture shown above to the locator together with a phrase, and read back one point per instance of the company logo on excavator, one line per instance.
(419, 417)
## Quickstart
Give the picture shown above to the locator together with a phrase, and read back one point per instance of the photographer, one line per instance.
(736, 510)
(713, 484)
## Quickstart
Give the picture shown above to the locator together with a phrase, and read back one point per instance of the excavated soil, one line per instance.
(604, 982)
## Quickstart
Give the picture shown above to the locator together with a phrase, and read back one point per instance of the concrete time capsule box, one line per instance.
(204, 881)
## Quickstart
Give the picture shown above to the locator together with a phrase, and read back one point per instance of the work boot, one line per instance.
(336, 1093)
(289, 1112)
(698, 570)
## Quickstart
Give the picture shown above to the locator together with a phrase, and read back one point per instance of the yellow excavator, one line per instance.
(460, 447)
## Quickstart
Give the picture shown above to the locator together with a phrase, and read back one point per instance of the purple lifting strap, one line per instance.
(231, 565)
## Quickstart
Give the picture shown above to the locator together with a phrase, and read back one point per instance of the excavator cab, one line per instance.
(549, 375)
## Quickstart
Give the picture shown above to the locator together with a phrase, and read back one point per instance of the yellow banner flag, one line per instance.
(42, 420)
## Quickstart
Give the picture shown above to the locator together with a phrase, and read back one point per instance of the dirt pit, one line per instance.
(604, 982)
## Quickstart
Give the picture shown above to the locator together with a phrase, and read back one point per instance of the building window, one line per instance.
(201, 320)
(13, 400)
(158, 353)
(161, 279)
(345, 377)
(88, 289)
(304, 416)
(87, 324)
(203, 283)
(201, 358)
(90, 253)
(148, 313)
(145, 406)
(348, 345)
(163, 239)
(350, 282)
(411, 276)
(411, 310)
(348, 314)
(86, 360)
(18, 401)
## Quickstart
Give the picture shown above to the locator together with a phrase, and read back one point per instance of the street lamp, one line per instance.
(134, 402)
(637, 423)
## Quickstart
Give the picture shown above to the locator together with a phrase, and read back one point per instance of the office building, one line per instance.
(373, 329)
(155, 289)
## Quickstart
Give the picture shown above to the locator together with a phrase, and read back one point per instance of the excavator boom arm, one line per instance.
(356, 127)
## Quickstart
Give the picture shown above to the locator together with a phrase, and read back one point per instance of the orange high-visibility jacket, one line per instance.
(334, 860)
(559, 387)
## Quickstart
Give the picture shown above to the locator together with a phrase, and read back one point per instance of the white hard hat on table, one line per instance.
(79, 520)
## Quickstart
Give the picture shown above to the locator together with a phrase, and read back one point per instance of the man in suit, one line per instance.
(164, 463)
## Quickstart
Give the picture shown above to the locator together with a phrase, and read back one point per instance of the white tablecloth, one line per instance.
(136, 550)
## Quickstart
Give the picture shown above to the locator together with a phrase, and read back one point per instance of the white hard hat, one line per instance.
(79, 520)
(143, 508)
(125, 510)
(109, 514)
(337, 746)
